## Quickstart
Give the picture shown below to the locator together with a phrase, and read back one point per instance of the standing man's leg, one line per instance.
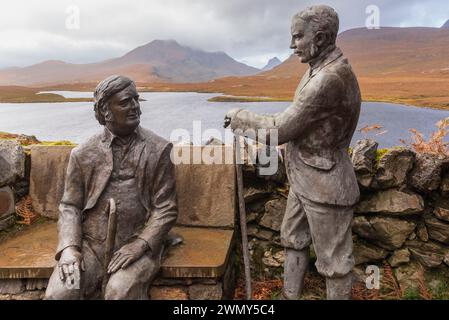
(296, 239)
(331, 228)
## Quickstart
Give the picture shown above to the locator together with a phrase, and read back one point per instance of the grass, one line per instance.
(26, 141)
(245, 99)
(15, 94)
(57, 143)
(380, 153)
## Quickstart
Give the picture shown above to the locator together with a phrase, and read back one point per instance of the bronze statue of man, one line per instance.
(317, 129)
(132, 166)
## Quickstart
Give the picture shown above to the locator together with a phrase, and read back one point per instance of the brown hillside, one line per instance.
(403, 65)
(157, 61)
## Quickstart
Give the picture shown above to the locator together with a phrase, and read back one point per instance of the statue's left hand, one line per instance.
(127, 254)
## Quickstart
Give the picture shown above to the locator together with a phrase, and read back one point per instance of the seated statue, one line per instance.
(123, 171)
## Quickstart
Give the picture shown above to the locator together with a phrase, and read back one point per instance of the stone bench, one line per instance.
(201, 267)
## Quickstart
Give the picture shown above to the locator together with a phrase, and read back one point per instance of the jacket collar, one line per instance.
(108, 137)
(326, 57)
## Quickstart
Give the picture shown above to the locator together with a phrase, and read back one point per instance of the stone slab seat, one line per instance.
(204, 253)
(206, 199)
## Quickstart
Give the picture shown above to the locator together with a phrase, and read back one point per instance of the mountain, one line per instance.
(273, 62)
(157, 61)
(403, 65)
(445, 25)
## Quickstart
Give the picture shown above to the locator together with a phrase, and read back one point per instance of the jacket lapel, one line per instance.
(101, 172)
(333, 56)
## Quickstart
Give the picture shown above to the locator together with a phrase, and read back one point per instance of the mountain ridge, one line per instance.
(156, 61)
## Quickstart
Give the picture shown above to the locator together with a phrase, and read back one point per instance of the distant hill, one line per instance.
(404, 65)
(445, 25)
(273, 62)
(157, 61)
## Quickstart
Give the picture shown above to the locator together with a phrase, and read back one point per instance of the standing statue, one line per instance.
(132, 166)
(317, 128)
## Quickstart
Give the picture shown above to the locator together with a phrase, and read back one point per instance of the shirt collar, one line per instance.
(329, 55)
(109, 137)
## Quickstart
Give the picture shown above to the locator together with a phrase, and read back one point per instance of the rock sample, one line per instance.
(12, 162)
(438, 230)
(392, 202)
(428, 254)
(399, 257)
(441, 210)
(388, 233)
(274, 213)
(392, 169)
(7, 208)
(426, 175)
(363, 156)
(364, 252)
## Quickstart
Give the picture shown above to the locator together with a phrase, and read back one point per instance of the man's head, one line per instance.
(117, 105)
(313, 30)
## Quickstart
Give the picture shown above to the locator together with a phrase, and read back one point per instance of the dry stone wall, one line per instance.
(402, 218)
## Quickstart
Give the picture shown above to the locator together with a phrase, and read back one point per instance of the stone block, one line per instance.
(363, 157)
(438, 230)
(12, 162)
(392, 202)
(399, 257)
(364, 252)
(206, 292)
(11, 286)
(393, 168)
(428, 254)
(48, 171)
(388, 233)
(426, 174)
(206, 192)
(7, 207)
(274, 213)
(168, 293)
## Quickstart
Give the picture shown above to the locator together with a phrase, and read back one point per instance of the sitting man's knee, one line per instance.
(61, 293)
(118, 288)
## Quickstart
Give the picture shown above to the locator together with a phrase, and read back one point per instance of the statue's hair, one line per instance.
(106, 89)
(322, 18)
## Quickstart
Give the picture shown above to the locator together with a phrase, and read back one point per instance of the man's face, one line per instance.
(303, 38)
(125, 109)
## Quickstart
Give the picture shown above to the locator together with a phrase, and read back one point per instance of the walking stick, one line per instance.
(242, 214)
(110, 241)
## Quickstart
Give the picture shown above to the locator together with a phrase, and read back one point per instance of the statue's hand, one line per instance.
(227, 121)
(228, 118)
(127, 254)
(71, 259)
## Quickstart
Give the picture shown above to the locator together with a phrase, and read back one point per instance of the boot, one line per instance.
(339, 288)
(295, 267)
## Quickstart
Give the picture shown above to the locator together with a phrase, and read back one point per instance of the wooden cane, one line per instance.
(243, 230)
(110, 242)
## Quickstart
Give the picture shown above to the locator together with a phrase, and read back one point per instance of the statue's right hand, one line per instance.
(71, 259)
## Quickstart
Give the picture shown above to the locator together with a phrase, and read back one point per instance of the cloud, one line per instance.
(248, 30)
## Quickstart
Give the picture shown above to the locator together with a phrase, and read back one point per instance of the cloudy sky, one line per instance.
(251, 31)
